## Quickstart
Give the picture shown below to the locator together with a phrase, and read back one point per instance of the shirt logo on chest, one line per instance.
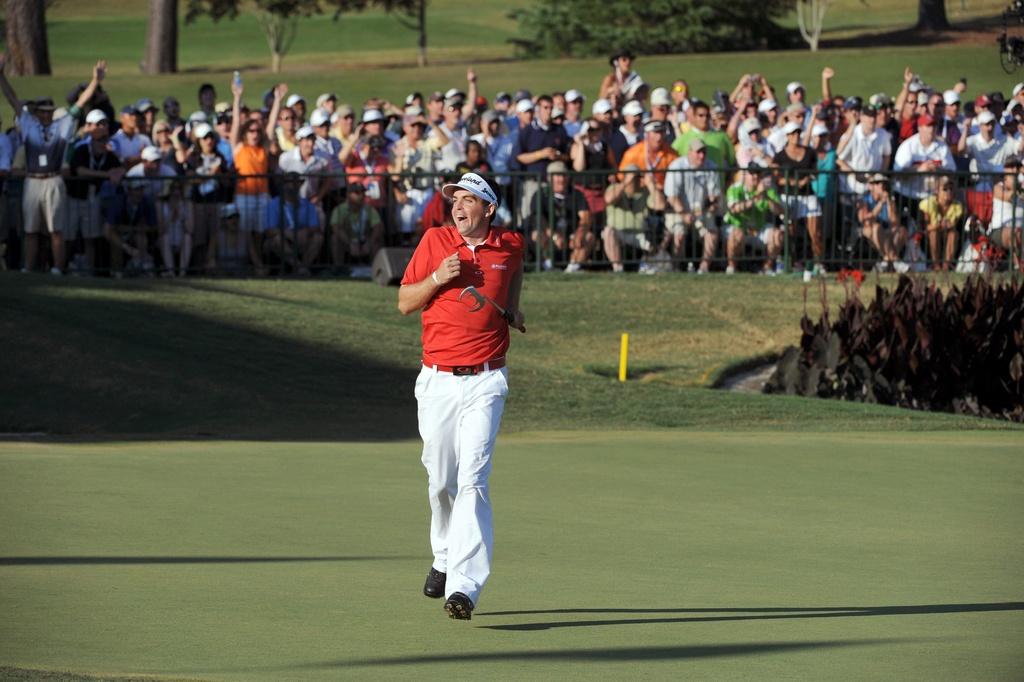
(499, 266)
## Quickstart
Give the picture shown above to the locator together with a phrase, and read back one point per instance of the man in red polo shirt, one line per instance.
(463, 383)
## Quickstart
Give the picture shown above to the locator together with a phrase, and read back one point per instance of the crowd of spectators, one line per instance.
(647, 175)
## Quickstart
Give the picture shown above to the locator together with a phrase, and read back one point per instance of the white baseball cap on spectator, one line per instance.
(601, 106)
(524, 105)
(633, 86)
(327, 96)
(818, 130)
(228, 211)
(915, 85)
(557, 112)
(574, 95)
(201, 130)
(197, 117)
(750, 125)
(633, 108)
(372, 116)
(95, 116)
(660, 98)
(151, 153)
(790, 127)
(304, 132)
(413, 110)
(454, 93)
(796, 108)
(986, 117)
(922, 97)
(766, 105)
(221, 108)
(474, 184)
(319, 117)
(294, 99)
(951, 97)
(794, 86)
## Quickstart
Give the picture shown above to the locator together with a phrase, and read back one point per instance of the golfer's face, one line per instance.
(468, 211)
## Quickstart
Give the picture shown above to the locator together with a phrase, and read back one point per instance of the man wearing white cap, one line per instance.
(986, 153)
(94, 171)
(297, 103)
(629, 132)
(327, 101)
(327, 148)
(796, 92)
(463, 381)
(304, 161)
(573, 112)
(661, 110)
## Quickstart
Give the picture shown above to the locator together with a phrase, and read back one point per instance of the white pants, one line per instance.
(459, 418)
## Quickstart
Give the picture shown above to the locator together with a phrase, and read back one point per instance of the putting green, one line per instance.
(644, 554)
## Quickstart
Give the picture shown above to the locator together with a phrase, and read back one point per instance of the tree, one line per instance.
(931, 15)
(162, 37)
(279, 20)
(27, 51)
(810, 17)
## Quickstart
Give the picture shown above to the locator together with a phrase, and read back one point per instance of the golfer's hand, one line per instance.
(448, 269)
(518, 321)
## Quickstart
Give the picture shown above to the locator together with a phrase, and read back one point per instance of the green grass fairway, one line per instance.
(643, 555)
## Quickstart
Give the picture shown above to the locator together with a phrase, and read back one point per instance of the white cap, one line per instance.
(197, 117)
(324, 97)
(228, 211)
(766, 105)
(660, 98)
(1017, 88)
(524, 105)
(95, 116)
(951, 97)
(372, 115)
(915, 85)
(794, 86)
(750, 125)
(304, 132)
(454, 93)
(202, 130)
(557, 111)
(601, 106)
(474, 184)
(790, 127)
(922, 97)
(319, 117)
(633, 108)
(151, 153)
(290, 102)
(986, 117)
(818, 130)
(573, 95)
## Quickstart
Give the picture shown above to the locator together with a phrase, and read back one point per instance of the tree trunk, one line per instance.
(275, 61)
(931, 15)
(27, 51)
(162, 37)
(422, 58)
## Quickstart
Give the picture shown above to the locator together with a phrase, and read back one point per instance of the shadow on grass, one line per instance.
(80, 367)
(144, 560)
(771, 613)
(608, 655)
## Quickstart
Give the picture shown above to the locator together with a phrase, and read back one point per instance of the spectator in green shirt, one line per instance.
(753, 207)
(720, 148)
(356, 228)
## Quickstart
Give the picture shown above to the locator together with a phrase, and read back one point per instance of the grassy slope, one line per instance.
(705, 556)
(334, 359)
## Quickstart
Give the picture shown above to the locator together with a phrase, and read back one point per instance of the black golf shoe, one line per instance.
(434, 587)
(459, 606)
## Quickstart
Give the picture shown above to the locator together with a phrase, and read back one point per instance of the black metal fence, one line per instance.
(765, 220)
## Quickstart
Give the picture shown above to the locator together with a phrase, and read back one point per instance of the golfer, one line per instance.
(463, 383)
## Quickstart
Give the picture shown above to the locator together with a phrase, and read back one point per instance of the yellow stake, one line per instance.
(623, 355)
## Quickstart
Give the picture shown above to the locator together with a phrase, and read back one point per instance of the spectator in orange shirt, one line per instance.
(652, 153)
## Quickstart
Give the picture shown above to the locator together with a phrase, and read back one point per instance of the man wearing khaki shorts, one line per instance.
(45, 140)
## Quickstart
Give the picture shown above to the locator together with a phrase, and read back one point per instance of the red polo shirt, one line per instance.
(452, 333)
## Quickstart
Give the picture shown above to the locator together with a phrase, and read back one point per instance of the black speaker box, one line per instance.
(389, 265)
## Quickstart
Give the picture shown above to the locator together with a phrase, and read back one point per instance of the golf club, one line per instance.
(481, 299)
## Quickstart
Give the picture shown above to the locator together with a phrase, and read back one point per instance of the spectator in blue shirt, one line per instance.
(293, 229)
(538, 144)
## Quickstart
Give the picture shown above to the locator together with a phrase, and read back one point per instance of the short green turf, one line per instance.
(642, 555)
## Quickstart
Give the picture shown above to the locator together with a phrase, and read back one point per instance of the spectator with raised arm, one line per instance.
(45, 140)
(251, 150)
